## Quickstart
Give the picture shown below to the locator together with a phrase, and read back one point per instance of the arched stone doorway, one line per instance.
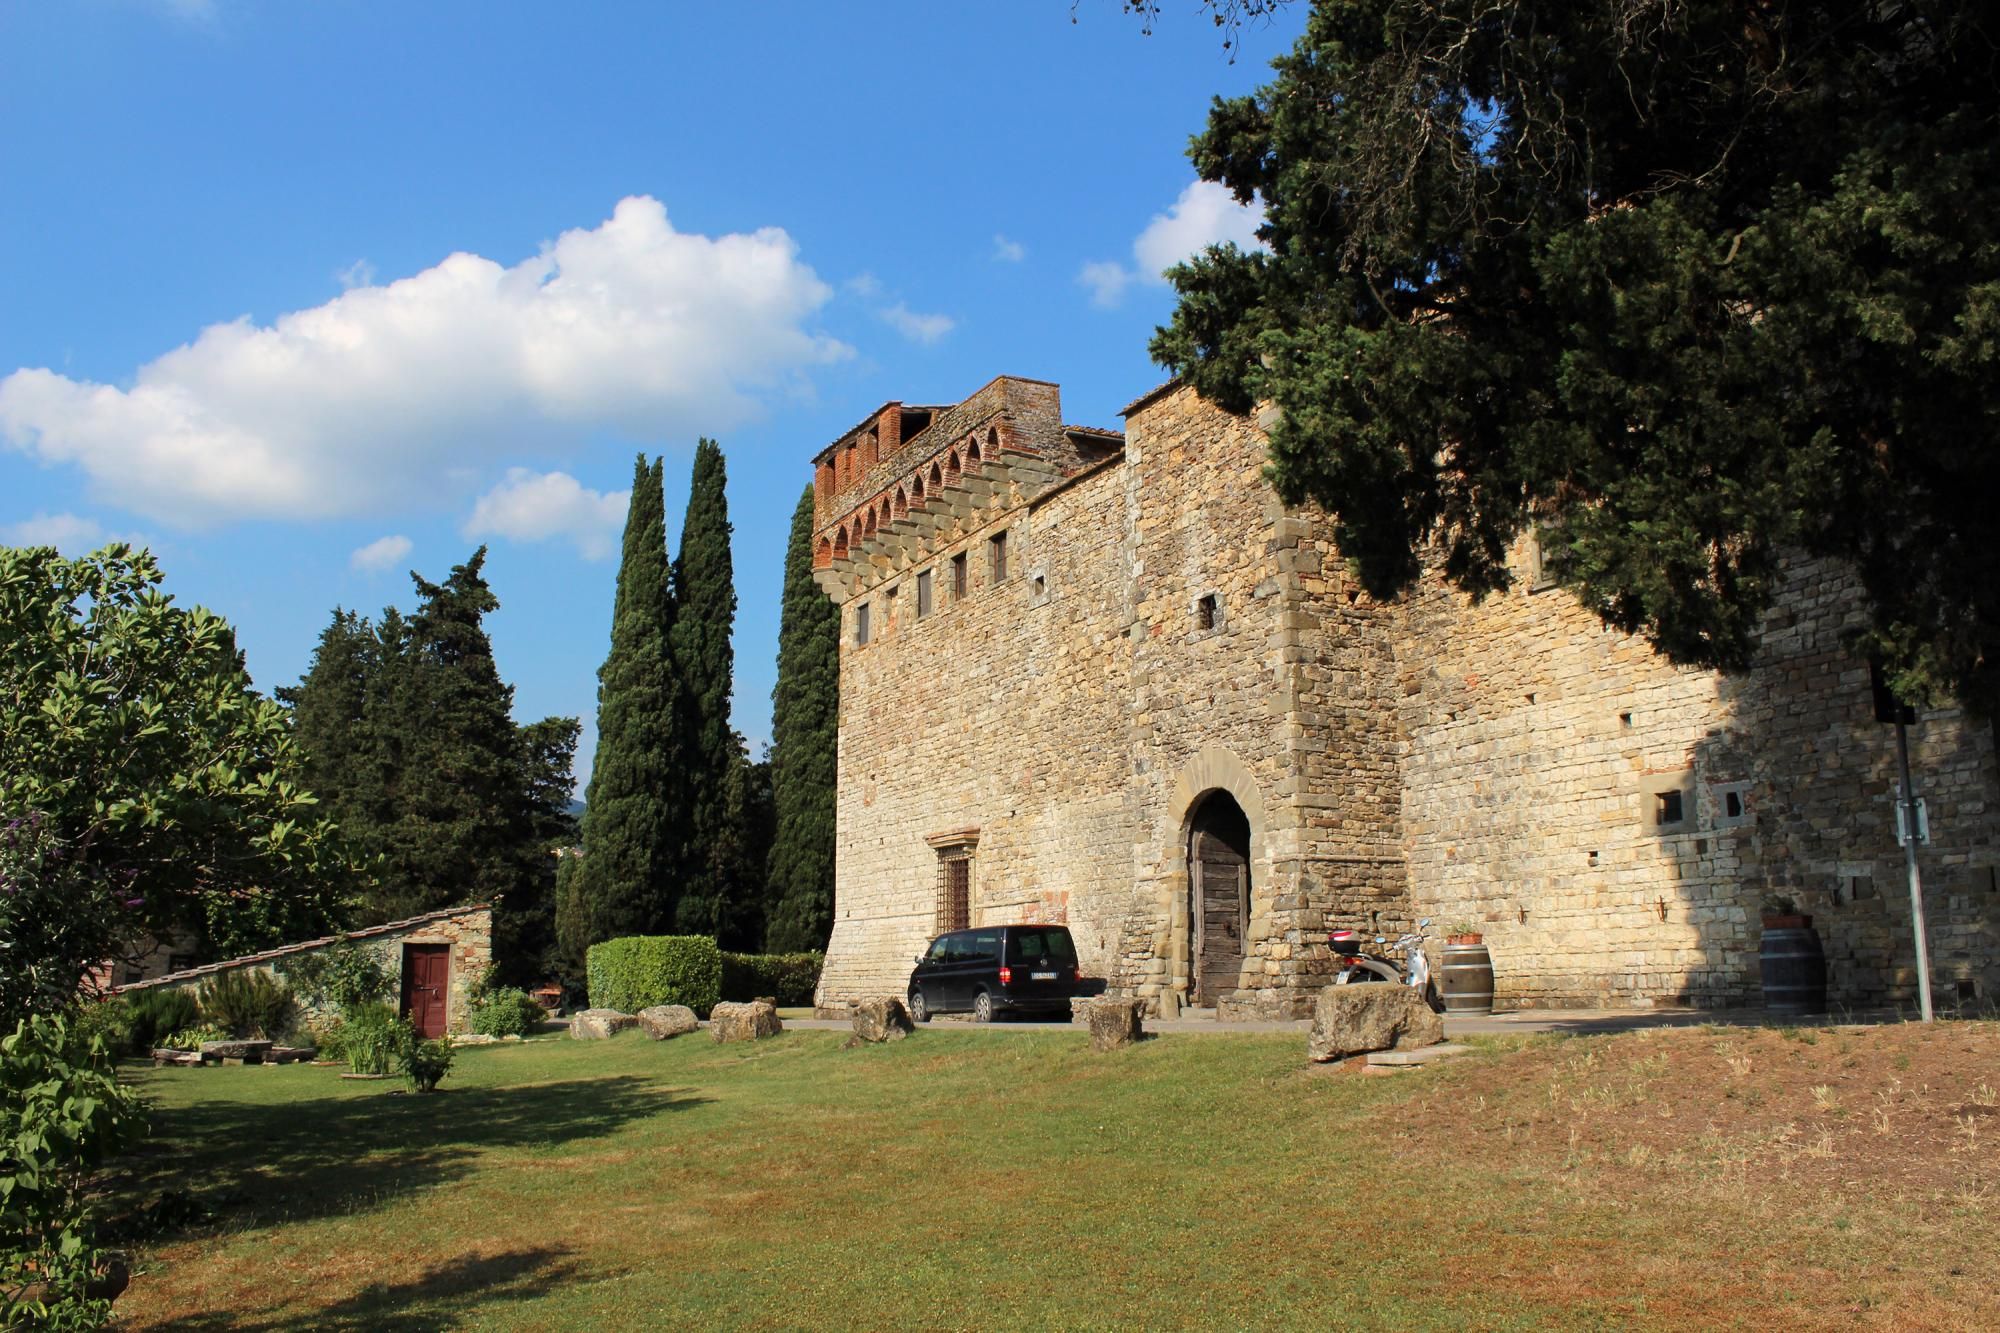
(1218, 861)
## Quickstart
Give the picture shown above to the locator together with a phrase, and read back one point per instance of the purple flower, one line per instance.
(135, 902)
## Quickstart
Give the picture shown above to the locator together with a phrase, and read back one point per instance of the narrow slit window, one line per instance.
(996, 558)
(923, 594)
(958, 576)
(1204, 612)
(861, 624)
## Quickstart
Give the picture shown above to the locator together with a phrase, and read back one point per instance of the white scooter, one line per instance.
(1357, 965)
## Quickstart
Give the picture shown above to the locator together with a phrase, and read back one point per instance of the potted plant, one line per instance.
(1466, 979)
(1781, 913)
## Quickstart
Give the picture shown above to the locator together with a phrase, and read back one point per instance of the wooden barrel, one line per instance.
(1794, 970)
(1466, 979)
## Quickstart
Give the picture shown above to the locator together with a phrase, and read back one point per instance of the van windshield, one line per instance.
(1030, 947)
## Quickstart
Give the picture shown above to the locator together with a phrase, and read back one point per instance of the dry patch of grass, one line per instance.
(1710, 1177)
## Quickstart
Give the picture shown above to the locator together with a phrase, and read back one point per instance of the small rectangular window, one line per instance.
(996, 558)
(1204, 612)
(1668, 810)
(958, 576)
(861, 623)
(923, 594)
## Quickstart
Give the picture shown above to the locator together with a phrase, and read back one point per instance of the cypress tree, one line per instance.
(709, 902)
(805, 733)
(631, 817)
(330, 721)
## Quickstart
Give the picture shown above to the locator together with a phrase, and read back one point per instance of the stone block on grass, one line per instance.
(744, 1022)
(597, 1024)
(1374, 1016)
(1115, 1023)
(662, 1021)
(881, 1019)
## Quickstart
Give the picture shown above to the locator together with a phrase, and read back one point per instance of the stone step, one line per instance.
(1411, 1059)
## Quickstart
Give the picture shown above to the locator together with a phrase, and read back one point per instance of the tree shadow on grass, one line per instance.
(252, 1163)
(445, 1296)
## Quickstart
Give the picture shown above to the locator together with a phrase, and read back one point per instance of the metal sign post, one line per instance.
(1910, 833)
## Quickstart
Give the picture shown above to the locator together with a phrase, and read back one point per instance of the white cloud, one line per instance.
(1205, 214)
(1107, 280)
(1006, 251)
(386, 392)
(864, 285)
(924, 329)
(360, 273)
(71, 534)
(384, 553)
(536, 506)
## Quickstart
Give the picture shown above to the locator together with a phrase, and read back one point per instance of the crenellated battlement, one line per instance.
(890, 489)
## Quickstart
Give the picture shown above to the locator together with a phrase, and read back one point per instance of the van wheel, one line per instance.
(982, 1008)
(918, 1011)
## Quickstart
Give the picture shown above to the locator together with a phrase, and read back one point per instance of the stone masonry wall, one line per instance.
(1541, 744)
(1279, 703)
(1001, 713)
(469, 932)
(1506, 765)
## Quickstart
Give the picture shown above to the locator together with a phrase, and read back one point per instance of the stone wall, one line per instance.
(987, 719)
(467, 930)
(1541, 746)
(1167, 631)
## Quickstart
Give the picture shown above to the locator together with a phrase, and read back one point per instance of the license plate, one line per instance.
(1043, 976)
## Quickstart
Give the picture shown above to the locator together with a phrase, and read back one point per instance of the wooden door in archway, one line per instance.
(1219, 897)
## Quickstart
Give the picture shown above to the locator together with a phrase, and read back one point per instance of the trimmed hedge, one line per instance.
(791, 977)
(638, 971)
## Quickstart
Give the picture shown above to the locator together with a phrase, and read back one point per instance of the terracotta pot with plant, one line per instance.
(1463, 932)
(1781, 913)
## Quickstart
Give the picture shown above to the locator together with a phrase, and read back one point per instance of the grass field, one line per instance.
(1706, 1177)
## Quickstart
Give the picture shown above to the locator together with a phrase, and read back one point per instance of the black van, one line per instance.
(997, 970)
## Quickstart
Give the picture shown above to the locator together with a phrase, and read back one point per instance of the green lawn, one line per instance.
(961, 1179)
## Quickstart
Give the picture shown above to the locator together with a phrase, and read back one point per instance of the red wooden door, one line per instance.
(426, 973)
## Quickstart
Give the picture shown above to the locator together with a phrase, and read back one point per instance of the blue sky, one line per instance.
(305, 296)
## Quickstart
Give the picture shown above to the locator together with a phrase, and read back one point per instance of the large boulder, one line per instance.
(1115, 1023)
(1375, 1016)
(881, 1019)
(597, 1024)
(667, 1020)
(744, 1022)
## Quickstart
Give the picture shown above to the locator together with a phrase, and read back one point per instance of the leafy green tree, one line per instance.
(62, 1116)
(633, 814)
(1681, 284)
(710, 900)
(805, 733)
(145, 788)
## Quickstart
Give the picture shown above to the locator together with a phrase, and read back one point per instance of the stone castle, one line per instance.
(1111, 680)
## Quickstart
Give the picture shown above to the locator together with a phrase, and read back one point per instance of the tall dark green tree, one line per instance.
(711, 901)
(460, 825)
(805, 733)
(1682, 282)
(633, 813)
(524, 927)
(439, 795)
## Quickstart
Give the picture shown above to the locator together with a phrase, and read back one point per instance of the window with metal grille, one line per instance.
(954, 910)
